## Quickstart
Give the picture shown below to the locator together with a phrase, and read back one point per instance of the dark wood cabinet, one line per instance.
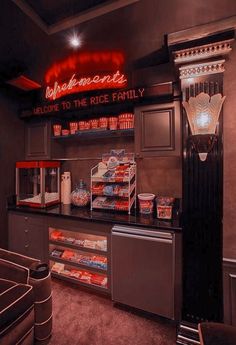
(157, 130)
(38, 142)
(28, 235)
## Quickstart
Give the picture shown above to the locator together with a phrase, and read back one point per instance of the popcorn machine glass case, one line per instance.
(37, 183)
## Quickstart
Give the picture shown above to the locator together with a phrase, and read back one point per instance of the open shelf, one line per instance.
(78, 265)
(79, 282)
(74, 246)
(97, 134)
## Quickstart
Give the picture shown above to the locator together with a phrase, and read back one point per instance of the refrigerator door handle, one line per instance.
(147, 238)
(142, 232)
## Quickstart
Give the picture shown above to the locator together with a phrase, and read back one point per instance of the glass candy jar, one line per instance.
(80, 196)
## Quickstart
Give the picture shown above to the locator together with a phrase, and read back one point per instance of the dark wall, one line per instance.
(11, 150)
(229, 193)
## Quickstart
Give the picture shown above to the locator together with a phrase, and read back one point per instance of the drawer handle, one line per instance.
(26, 246)
(26, 230)
(26, 218)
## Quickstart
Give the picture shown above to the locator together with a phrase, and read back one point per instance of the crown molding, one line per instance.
(28, 10)
(64, 24)
(202, 52)
(200, 69)
(201, 31)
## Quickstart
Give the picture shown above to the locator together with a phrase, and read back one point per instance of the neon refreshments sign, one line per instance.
(95, 82)
(85, 71)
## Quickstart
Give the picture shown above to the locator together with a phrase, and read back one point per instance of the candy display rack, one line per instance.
(81, 258)
(113, 182)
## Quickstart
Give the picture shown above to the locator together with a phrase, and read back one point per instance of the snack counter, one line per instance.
(77, 242)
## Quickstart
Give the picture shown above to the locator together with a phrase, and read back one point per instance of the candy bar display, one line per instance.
(95, 261)
(80, 275)
(78, 256)
(60, 236)
(164, 207)
(37, 183)
(113, 182)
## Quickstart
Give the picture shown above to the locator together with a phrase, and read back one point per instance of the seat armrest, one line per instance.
(14, 272)
(212, 333)
(16, 258)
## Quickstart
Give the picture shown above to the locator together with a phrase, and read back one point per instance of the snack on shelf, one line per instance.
(58, 267)
(126, 120)
(108, 174)
(98, 202)
(70, 240)
(99, 261)
(87, 125)
(57, 253)
(79, 242)
(73, 127)
(85, 260)
(57, 235)
(103, 122)
(94, 123)
(109, 204)
(101, 245)
(122, 205)
(66, 272)
(65, 132)
(89, 244)
(164, 207)
(97, 188)
(81, 125)
(146, 203)
(57, 130)
(113, 123)
(108, 190)
(86, 277)
(75, 273)
(97, 279)
(68, 254)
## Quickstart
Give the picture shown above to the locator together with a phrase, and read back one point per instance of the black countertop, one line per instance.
(122, 218)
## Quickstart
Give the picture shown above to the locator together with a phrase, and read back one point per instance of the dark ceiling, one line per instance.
(53, 11)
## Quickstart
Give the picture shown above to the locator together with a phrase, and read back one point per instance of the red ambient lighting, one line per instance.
(24, 83)
(85, 71)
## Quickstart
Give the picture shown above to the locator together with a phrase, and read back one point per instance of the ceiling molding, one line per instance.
(89, 14)
(73, 20)
(201, 31)
(32, 14)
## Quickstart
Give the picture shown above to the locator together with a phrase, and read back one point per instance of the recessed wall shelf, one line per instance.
(96, 134)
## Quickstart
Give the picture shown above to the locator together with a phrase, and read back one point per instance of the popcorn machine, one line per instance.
(37, 183)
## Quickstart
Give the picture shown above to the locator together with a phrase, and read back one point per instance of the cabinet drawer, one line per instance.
(27, 235)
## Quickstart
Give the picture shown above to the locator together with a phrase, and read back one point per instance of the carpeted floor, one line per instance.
(83, 318)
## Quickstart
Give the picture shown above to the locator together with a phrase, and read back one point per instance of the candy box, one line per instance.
(56, 130)
(164, 207)
(73, 127)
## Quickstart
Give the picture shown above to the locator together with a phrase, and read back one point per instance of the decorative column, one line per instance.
(201, 71)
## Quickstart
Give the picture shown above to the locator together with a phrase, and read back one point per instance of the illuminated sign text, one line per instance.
(84, 102)
(108, 81)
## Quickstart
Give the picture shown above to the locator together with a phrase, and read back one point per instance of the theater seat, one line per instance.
(212, 333)
(16, 313)
(25, 273)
